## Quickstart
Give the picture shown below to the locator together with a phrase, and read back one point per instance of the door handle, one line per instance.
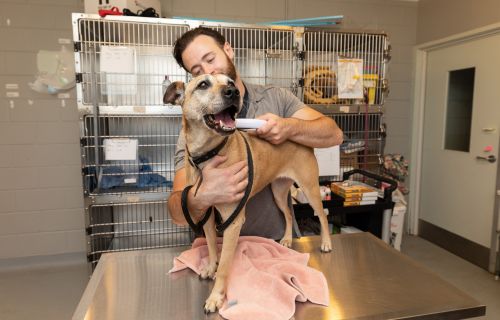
(491, 158)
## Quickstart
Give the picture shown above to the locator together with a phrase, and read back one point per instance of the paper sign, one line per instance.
(350, 78)
(117, 59)
(328, 161)
(120, 149)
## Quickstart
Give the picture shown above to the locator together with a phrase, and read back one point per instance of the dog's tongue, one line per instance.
(225, 120)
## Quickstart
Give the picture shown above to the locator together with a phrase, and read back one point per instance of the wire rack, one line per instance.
(321, 66)
(148, 44)
(132, 226)
(263, 55)
(153, 168)
(364, 141)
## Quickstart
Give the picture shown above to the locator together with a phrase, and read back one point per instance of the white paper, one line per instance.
(120, 149)
(350, 78)
(328, 161)
(119, 85)
(117, 59)
(118, 71)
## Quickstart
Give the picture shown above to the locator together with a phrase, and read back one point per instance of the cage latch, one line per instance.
(387, 54)
(77, 45)
(301, 55)
(79, 77)
(385, 86)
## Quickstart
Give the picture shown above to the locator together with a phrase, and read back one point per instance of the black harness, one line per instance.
(220, 227)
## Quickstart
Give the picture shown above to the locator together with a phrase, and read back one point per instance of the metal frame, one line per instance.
(129, 105)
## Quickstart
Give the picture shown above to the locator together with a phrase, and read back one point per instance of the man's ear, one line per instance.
(174, 93)
(228, 50)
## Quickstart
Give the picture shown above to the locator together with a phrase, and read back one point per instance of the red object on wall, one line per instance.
(112, 12)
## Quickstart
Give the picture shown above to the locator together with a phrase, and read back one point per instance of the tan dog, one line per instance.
(209, 105)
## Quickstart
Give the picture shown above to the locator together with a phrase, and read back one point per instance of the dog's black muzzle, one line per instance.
(231, 95)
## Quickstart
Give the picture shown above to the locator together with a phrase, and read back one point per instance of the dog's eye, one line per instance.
(203, 85)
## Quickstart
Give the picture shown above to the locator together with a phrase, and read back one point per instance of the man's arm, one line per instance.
(220, 185)
(306, 126)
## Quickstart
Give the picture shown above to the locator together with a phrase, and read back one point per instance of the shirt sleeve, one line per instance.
(287, 102)
(180, 151)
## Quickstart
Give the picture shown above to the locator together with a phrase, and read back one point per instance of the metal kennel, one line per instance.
(128, 135)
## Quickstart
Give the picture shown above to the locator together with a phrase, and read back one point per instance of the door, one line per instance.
(461, 138)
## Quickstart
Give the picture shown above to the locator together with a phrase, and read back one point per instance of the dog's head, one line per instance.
(212, 100)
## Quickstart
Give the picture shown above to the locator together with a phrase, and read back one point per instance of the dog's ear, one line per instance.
(174, 93)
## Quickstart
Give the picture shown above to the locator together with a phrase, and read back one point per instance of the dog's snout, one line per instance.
(231, 92)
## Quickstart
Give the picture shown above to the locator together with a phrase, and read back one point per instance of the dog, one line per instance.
(209, 106)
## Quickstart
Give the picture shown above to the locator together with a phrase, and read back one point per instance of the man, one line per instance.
(205, 51)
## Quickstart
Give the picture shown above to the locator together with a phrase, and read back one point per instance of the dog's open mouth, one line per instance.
(222, 122)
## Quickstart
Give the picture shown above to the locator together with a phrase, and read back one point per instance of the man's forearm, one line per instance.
(196, 208)
(318, 133)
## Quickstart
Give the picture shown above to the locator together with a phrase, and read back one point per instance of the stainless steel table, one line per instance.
(367, 280)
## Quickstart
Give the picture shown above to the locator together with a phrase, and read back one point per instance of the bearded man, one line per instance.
(206, 51)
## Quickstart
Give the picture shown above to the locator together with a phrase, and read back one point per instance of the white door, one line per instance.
(461, 123)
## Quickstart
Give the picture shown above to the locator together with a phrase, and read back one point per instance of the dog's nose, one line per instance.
(231, 92)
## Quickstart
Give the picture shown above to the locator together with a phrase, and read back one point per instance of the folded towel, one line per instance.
(265, 278)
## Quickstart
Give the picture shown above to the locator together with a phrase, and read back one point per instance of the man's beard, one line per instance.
(230, 70)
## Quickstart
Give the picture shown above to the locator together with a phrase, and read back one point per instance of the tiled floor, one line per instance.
(53, 293)
(49, 293)
(471, 279)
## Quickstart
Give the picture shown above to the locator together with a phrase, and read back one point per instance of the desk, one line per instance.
(375, 218)
(367, 280)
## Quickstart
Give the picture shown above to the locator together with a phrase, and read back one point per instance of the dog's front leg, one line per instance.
(230, 241)
(209, 270)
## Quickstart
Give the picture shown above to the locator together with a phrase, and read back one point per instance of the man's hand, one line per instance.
(219, 185)
(222, 185)
(276, 130)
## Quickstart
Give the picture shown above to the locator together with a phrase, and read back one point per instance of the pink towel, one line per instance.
(265, 278)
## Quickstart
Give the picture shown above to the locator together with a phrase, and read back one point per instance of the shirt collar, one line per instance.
(255, 93)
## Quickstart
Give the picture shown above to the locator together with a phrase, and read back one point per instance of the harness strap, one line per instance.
(197, 227)
(221, 227)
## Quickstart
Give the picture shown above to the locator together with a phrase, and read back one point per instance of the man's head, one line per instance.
(205, 51)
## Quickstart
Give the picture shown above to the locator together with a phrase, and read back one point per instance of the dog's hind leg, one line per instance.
(209, 270)
(280, 188)
(229, 243)
(310, 187)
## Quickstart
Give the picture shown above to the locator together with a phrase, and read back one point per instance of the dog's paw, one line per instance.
(214, 302)
(286, 242)
(209, 271)
(326, 245)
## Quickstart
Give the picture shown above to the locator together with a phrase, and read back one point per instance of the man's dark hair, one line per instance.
(188, 37)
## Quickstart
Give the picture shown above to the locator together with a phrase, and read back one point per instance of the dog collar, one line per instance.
(195, 161)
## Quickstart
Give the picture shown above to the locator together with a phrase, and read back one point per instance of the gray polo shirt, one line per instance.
(263, 217)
